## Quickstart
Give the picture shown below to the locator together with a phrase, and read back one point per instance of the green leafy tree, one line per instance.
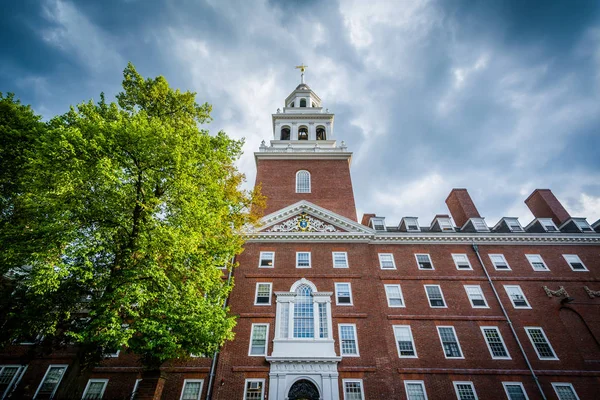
(131, 209)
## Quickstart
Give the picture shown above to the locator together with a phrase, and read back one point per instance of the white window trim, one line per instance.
(441, 293)
(527, 329)
(380, 220)
(256, 303)
(393, 261)
(333, 253)
(309, 259)
(482, 295)
(585, 269)
(421, 383)
(113, 355)
(542, 260)
(412, 339)
(430, 261)
(362, 389)
(90, 381)
(456, 263)
(309, 181)
(355, 340)
(401, 295)
(462, 355)
(192, 381)
(528, 307)
(456, 383)
(494, 264)
(261, 256)
(15, 379)
(266, 340)
(46, 374)
(262, 395)
(505, 384)
(336, 294)
(135, 388)
(555, 384)
(508, 357)
(547, 221)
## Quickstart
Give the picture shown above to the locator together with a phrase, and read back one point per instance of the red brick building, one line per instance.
(332, 308)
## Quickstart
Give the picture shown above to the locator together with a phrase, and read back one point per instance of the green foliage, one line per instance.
(131, 210)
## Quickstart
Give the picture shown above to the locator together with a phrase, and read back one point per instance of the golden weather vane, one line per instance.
(302, 68)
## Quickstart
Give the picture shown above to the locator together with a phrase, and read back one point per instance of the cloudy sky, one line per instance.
(500, 97)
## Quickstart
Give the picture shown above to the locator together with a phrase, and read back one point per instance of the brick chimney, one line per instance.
(367, 218)
(461, 206)
(543, 204)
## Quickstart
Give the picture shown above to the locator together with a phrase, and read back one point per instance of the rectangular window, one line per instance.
(515, 391)
(258, 340)
(404, 341)
(516, 296)
(435, 296)
(564, 391)
(514, 225)
(536, 262)
(9, 376)
(449, 342)
(540, 343)
(51, 380)
(192, 389)
(424, 261)
(302, 259)
(476, 296)
(412, 224)
(284, 326)
(348, 342)
(445, 224)
(323, 321)
(495, 343)
(94, 389)
(353, 389)
(415, 390)
(465, 391)
(378, 224)
(575, 262)
(263, 294)
(135, 389)
(548, 224)
(343, 294)
(499, 262)
(394, 295)
(461, 261)
(340, 259)
(583, 225)
(267, 259)
(255, 389)
(386, 261)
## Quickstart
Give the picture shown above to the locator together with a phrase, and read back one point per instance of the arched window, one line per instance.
(321, 133)
(303, 133)
(285, 133)
(304, 317)
(302, 182)
(302, 102)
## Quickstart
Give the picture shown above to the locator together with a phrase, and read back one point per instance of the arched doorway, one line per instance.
(303, 390)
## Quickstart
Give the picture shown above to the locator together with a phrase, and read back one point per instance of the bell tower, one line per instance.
(303, 161)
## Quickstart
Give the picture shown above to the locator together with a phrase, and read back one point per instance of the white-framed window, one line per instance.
(302, 182)
(9, 376)
(51, 380)
(405, 343)
(343, 294)
(303, 259)
(540, 343)
(267, 259)
(548, 224)
(465, 390)
(575, 262)
(340, 259)
(424, 261)
(435, 296)
(516, 296)
(515, 391)
(514, 225)
(135, 389)
(461, 261)
(304, 317)
(378, 224)
(192, 389)
(449, 341)
(583, 225)
(445, 224)
(259, 340)
(386, 261)
(565, 391)
(480, 225)
(536, 262)
(348, 340)
(499, 262)
(495, 343)
(263, 294)
(94, 389)
(353, 389)
(394, 296)
(254, 389)
(412, 224)
(476, 296)
(415, 390)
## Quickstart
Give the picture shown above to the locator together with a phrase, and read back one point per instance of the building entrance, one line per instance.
(303, 390)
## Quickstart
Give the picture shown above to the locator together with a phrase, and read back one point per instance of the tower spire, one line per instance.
(302, 68)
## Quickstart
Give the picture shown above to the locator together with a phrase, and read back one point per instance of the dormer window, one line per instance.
(412, 224)
(285, 133)
(583, 225)
(445, 224)
(321, 133)
(548, 224)
(480, 225)
(514, 225)
(378, 224)
(302, 102)
(303, 133)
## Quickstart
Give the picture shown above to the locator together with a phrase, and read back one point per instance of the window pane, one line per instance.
(94, 390)
(285, 317)
(304, 313)
(52, 380)
(424, 261)
(263, 293)
(348, 340)
(386, 261)
(266, 259)
(259, 340)
(404, 340)
(254, 390)
(435, 296)
(353, 391)
(343, 293)
(323, 321)
(191, 391)
(394, 295)
(449, 342)
(303, 182)
(340, 260)
(492, 336)
(303, 259)
(565, 392)
(515, 392)
(465, 391)
(414, 391)
(541, 344)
